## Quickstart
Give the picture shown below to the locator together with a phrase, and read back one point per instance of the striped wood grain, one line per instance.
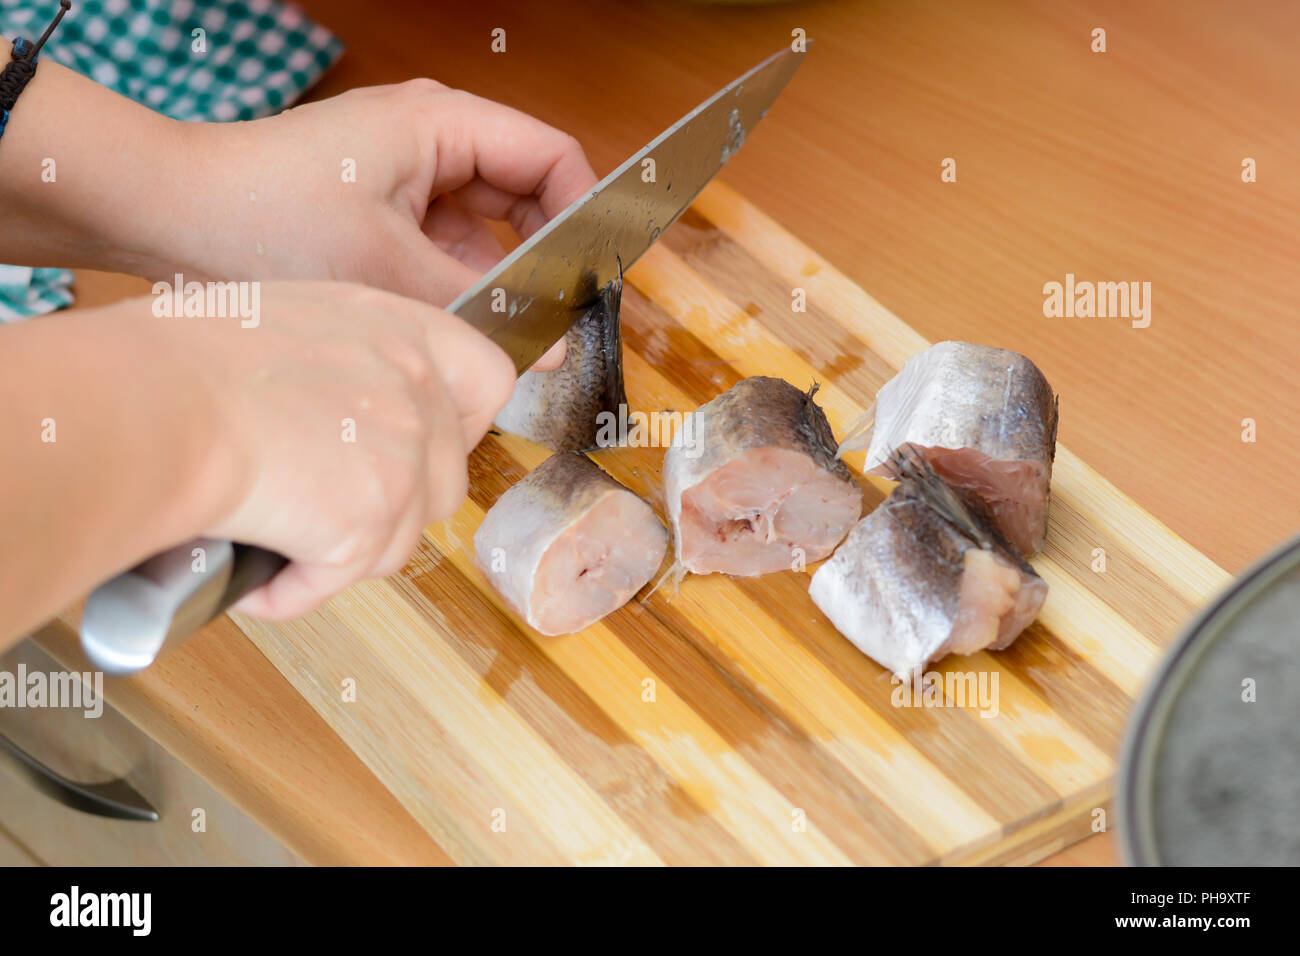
(769, 738)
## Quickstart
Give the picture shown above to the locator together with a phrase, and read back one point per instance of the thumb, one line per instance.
(295, 591)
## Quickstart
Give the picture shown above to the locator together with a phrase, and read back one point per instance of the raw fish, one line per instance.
(753, 484)
(985, 418)
(568, 544)
(927, 574)
(561, 409)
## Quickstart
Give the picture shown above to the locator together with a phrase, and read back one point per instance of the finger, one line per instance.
(461, 234)
(295, 591)
(524, 213)
(404, 540)
(511, 152)
(458, 420)
(477, 376)
(553, 358)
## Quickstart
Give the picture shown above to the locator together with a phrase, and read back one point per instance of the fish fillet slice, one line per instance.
(985, 418)
(568, 544)
(927, 574)
(753, 485)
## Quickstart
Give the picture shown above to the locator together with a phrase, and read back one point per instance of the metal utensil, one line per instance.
(525, 304)
(1210, 772)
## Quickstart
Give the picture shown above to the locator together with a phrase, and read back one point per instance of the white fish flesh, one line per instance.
(568, 544)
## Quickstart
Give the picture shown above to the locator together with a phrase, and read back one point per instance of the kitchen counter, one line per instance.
(1116, 166)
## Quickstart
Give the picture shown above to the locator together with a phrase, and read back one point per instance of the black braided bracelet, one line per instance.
(22, 66)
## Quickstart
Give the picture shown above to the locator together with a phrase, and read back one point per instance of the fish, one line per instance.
(753, 485)
(927, 574)
(567, 544)
(985, 418)
(567, 409)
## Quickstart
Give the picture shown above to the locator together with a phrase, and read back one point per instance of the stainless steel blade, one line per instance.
(535, 293)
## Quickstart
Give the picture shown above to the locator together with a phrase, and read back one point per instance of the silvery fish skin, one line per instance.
(560, 409)
(986, 420)
(752, 482)
(568, 544)
(927, 574)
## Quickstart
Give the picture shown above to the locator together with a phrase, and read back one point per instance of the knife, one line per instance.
(524, 304)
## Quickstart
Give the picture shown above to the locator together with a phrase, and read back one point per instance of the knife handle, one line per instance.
(130, 619)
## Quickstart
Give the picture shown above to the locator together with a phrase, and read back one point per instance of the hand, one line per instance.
(347, 415)
(89, 178)
(390, 186)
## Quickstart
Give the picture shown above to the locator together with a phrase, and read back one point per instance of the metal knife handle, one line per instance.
(114, 798)
(130, 619)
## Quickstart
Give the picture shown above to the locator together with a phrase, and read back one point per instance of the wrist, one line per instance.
(114, 452)
(89, 178)
(220, 220)
(165, 417)
(148, 227)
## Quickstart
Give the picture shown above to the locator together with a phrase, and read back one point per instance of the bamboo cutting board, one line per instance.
(731, 723)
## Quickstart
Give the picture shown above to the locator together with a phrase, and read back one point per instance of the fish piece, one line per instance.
(561, 409)
(568, 544)
(927, 574)
(751, 476)
(985, 418)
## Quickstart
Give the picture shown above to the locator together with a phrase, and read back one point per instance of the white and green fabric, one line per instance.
(190, 59)
(25, 291)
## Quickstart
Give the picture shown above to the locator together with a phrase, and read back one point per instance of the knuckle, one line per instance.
(402, 347)
(420, 368)
(421, 87)
(569, 145)
(351, 547)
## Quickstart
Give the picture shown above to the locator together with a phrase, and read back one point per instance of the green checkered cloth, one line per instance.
(25, 291)
(204, 60)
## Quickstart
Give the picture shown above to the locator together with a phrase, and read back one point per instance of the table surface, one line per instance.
(1117, 166)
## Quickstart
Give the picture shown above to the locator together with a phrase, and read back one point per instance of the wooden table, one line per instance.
(1116, 166)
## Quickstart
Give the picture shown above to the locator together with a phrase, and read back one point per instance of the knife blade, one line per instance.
(532, 297)
(525, 304)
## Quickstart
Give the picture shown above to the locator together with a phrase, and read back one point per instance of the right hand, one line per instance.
(342, 503)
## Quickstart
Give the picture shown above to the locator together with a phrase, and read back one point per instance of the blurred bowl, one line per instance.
(1210, 771)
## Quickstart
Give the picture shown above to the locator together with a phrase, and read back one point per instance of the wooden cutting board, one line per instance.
(731, 723)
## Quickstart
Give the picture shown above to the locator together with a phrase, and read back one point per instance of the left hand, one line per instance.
(390, 186)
